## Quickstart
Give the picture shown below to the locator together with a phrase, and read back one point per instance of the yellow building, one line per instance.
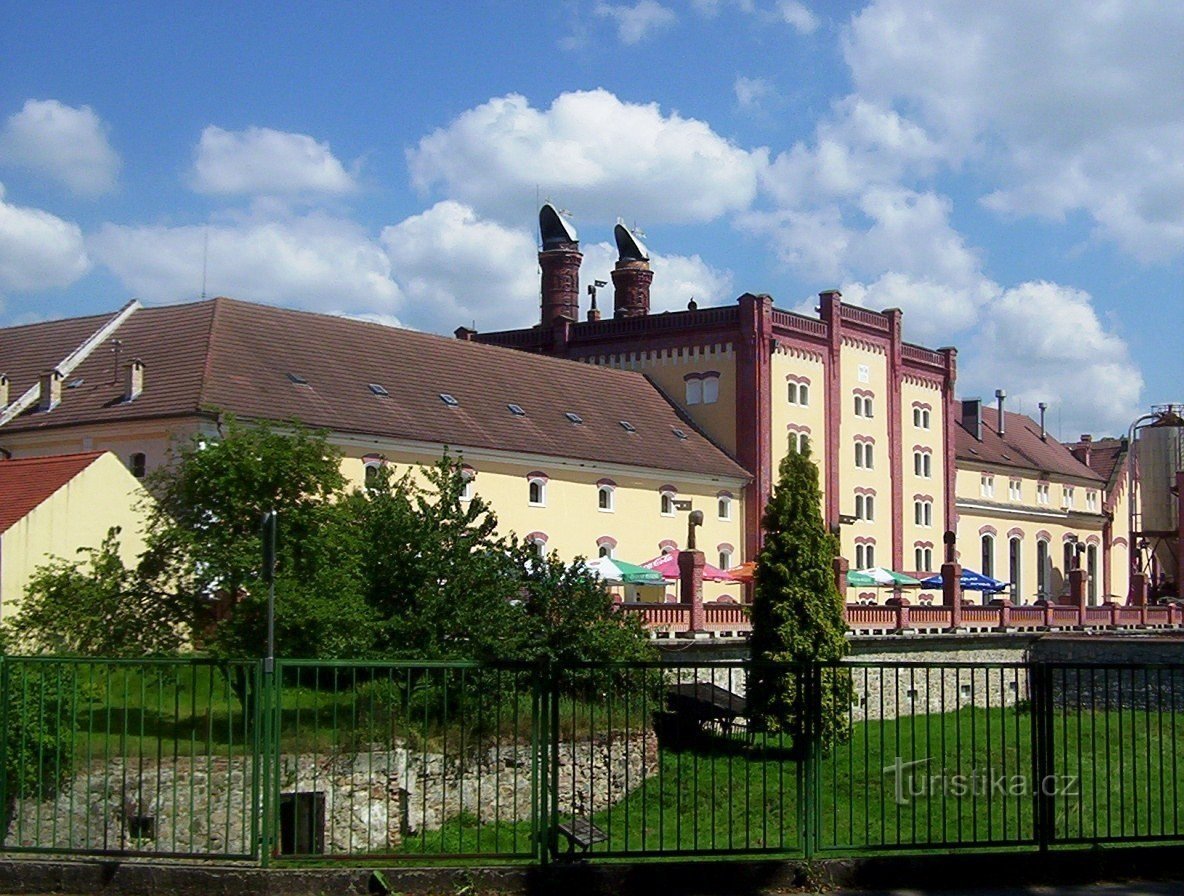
(1030, 509)
(575, 459)
(875, 411)
(56, 506)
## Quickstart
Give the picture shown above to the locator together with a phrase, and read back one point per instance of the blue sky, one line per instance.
(1010, 174)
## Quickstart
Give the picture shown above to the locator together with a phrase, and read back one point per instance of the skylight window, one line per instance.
(574, 418)
(378, 389)
(516, 410)
(449, 400)
(627, 426)
(74, 384)
(678, 432)
(297, 379)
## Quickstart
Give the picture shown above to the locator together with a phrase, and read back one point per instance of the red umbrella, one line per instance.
(667, 565)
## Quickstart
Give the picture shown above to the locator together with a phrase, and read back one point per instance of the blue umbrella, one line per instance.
(970, 581)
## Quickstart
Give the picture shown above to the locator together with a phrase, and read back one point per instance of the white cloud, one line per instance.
(264, 161)
(1075, 106)
(635, 23)
(314, 261)
(594, 153)
(798, 16)
(456, 269)
(1043, 342)
(38, 250)
(677, 280)
(62, 143)
(751, 92)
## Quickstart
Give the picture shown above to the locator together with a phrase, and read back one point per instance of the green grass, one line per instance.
(725, 793)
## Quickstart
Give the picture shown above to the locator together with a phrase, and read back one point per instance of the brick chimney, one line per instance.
(133, 383)
(1083, 449)
(560, 260)
(51, 390)
(631, 276)
(972, 417)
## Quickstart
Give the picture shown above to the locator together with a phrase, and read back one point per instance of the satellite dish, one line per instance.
(629, 247)
(555, 232)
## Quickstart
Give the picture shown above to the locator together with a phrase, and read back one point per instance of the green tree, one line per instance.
(97, 606)
(797, 615)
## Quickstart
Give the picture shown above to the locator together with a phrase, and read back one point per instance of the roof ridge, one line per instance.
(216, 304)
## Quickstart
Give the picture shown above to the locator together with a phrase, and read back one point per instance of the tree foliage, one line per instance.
(407, 567)
(797, 614)
(98, 606)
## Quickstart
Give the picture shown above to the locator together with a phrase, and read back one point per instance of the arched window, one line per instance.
(1091, 569)
(605, 497)
(803, 394)
(605, 545)
(138, 464)
(536, 490)
(725, 555)
(370, 473)
(468, 474)
(924, 559)
(667, 503)
(538, 541)
(694, 390)
(988, 564)
(1015, 566)
(1043, 569)
(724, 507)
(792, 393)
(711, 388)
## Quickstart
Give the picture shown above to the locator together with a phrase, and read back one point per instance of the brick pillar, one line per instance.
(1138, 592)
(841, 566)
(690, 571)
(1077, 593)
(902, 612)
(951, 591)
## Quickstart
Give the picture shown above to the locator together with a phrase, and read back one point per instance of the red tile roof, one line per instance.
(1107, 457)
(238, 357)
(26, 483)
(1020, 447)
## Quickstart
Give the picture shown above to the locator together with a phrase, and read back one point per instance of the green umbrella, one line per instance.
(878, 577)
(620, 572)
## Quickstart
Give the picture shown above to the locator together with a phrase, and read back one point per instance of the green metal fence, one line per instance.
(455, 762)
(129, 757)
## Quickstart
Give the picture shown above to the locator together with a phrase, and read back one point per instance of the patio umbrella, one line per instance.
(878, 577)
(621, 573)
(667, 565)
(970, 581)
(745, 572)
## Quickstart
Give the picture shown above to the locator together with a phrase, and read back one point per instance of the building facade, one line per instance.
(876, 412)
(583, 462)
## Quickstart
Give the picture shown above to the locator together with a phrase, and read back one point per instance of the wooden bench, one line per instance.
(582, 833)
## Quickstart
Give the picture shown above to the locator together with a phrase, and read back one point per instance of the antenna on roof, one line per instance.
(205, 257)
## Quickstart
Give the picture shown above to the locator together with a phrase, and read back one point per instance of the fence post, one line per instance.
(1040, 675)
(4, 665)
(541, 762)
(265, 711)
(810, 692)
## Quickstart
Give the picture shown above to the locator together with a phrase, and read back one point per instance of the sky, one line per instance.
(1010, 174)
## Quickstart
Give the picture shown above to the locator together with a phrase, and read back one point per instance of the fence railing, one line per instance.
(454, 761)
(866, 619)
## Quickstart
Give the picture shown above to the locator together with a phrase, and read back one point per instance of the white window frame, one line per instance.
(1067, 497)
(987, 485)
(1015, 489)
(609, 505)
(542, 487)
(467, 489)
(710, 389)
(694, 391)
(723, 507)
(725, 559)
(1042, 496)
(803, 395)
(666, 500)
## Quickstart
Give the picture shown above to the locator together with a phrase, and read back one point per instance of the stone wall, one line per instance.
(372, 800)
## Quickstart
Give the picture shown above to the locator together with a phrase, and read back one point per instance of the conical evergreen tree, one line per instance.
(797, 614)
